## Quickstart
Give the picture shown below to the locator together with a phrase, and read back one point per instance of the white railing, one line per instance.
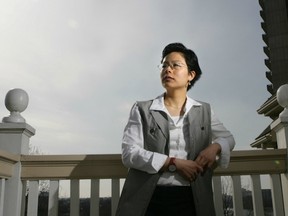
(75, 168)
(17, 168)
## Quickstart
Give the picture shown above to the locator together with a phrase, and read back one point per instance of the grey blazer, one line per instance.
(139, 186)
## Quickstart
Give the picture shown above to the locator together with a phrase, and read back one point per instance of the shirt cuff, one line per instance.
(224, 157)
(158, 161)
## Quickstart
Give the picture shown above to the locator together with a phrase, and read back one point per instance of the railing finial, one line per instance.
(16, 101)
(282, 98)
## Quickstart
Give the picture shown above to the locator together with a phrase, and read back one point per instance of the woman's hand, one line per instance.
(207, 157)
(188, 169)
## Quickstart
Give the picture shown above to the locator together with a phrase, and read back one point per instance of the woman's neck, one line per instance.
(175, 99)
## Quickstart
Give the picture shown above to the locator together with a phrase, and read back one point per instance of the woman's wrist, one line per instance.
(218, 148)
(165, 165)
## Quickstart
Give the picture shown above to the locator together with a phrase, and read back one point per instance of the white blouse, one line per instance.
(135, 156)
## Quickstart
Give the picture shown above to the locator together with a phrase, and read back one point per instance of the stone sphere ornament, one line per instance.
(16, 101)
(282, 98)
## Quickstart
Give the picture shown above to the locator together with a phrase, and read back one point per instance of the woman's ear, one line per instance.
(192, 75)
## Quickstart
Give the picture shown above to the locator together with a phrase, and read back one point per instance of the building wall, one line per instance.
(275, 26)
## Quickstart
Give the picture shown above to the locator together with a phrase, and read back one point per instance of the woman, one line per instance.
(171, 145)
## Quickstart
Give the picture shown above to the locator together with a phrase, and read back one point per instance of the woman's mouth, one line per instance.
(167, 78)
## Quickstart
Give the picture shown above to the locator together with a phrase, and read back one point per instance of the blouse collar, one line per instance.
(158, 104)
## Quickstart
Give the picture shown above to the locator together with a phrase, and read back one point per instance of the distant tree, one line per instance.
(246, 190)
(226, 184)
(247, 201)
(34, 150)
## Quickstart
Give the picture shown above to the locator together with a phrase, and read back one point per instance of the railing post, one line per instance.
(14, 138)
(280, 126)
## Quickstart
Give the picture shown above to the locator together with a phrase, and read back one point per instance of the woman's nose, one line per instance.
(168, 69)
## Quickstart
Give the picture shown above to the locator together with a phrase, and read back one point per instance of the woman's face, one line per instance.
(174, 72)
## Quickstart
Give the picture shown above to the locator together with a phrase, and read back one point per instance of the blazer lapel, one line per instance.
(161, 120)
(193, 115)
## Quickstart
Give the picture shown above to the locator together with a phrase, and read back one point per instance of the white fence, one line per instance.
(17, 167)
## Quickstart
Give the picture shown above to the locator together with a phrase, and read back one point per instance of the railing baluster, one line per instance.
(53, 198)
(115, 195)
(23, 202)
(33, 198)
(94, 198)
(277, 199)
(257, 195)
(74, 198)
(218, 201)
(2, 191)
(237, 196)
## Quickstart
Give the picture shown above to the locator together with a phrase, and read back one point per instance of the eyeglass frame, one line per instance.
(173, 65)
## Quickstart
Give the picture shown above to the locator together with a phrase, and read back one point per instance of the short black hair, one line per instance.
(190, 58)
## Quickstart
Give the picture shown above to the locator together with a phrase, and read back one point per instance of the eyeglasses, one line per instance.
(173, 65)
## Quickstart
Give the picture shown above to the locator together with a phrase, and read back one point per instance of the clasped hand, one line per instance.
(206, 159)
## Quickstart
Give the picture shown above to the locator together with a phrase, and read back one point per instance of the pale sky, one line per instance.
(84, 64)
